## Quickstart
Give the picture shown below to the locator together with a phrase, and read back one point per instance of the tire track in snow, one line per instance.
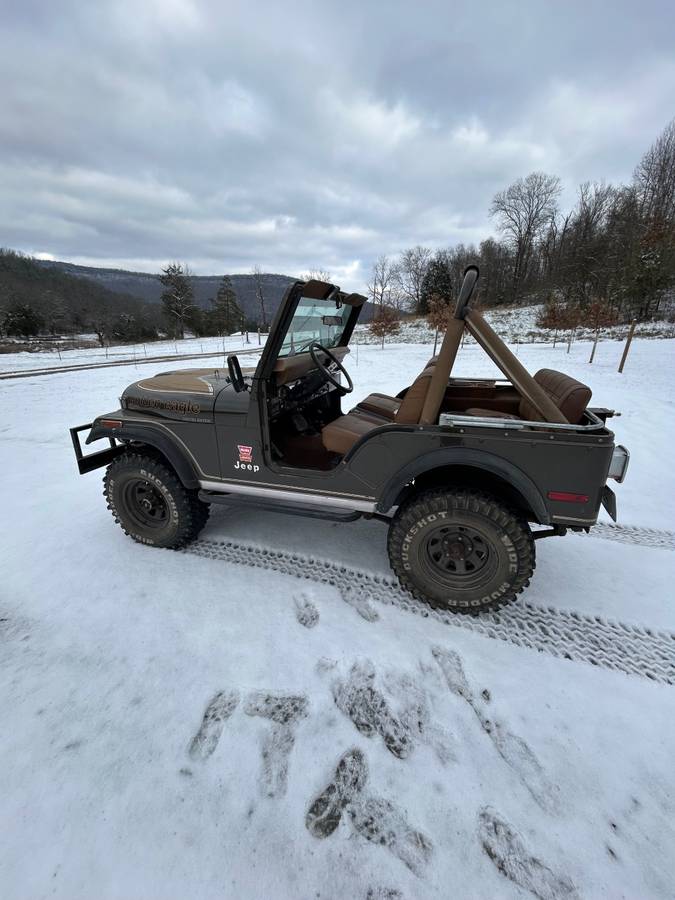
(632, 649)
(633, 534)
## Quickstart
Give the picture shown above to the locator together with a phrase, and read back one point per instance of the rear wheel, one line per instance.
(461, 550)
(149, 502)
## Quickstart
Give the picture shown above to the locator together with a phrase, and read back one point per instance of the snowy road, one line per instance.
(199, 724)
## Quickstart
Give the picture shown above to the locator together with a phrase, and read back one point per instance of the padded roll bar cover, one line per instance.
(317, 290)
(446, 358)
(468, 284)
(441, 372)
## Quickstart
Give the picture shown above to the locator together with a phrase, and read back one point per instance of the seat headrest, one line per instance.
(569, 395)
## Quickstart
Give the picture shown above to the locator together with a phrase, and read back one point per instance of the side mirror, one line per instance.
(236, 378)
(466, 290)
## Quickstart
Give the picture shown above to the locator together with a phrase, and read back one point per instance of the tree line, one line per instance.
(223, 315)
(38, 301)
(610, 258)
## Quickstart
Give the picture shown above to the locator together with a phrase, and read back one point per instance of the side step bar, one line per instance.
(313, 512)
(339, 509)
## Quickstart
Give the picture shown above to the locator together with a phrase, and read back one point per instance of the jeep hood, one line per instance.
(180, 394)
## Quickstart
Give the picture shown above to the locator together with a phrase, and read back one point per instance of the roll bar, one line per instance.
(468, 284)
(494, 346)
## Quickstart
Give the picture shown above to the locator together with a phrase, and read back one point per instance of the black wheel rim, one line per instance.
(456, 552)
(145, 504)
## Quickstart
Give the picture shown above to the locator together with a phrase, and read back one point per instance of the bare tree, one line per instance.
(382, 284)
(259, 284)
(654, 178)
(317, 275)
(523, 211)
(410, 272)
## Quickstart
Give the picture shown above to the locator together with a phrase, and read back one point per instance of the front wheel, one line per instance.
(461, 550)
(149, 502)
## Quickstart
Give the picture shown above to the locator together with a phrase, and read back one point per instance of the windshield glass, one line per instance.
(315, 320)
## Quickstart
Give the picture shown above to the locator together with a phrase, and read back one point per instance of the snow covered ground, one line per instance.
(209, 724)
(23, 361)
(519, 323)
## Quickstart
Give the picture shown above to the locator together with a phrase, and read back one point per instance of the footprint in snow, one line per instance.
(361, 604)
(416, 715)
(383, 823)
(305, 611)
(511, 857)
(284, 712)
(373, 818)
(349, 779)
(512, 749)
(217, 713)
(367, 707)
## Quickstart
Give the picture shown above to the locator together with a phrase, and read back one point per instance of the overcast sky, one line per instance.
(316, 135)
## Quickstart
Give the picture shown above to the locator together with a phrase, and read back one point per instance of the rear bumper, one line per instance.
(92, 460)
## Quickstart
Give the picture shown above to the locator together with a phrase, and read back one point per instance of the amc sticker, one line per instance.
(245, 460)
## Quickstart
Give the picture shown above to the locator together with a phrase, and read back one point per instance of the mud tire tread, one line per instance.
(192, 512)
(463, 500)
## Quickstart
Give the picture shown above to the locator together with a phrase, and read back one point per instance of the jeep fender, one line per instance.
(159, 440)
(475, 459)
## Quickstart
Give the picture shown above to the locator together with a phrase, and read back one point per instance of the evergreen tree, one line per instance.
(226, 315)
(22, 320)
(437, 282)
(177, 297)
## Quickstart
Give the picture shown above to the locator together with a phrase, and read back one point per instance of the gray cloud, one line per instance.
(309, 135)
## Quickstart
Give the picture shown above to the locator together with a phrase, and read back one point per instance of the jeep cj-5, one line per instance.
(460, 469)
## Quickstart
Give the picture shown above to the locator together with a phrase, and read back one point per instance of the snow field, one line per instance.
(174, 725)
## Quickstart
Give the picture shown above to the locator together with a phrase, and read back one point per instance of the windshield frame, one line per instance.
(282, 321)
(308, 318)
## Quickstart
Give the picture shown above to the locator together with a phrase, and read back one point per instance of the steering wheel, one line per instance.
(315, 348)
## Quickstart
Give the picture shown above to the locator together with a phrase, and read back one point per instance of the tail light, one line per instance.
(567, 497)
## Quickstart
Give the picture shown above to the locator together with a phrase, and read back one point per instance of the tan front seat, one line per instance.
(383, 405)
(421, 403)
(569, 395)
(340, 435)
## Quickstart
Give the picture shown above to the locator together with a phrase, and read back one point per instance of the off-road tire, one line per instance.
(135, 473)
(499, 540)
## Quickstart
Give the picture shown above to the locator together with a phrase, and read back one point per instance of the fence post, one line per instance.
(595, 344)
(555, 338)
(627, 347)
(569, 343)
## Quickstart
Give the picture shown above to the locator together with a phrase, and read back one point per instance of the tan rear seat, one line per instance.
(569, 395)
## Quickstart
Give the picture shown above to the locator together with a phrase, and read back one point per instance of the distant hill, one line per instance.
(145, 285)
(68, 304)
